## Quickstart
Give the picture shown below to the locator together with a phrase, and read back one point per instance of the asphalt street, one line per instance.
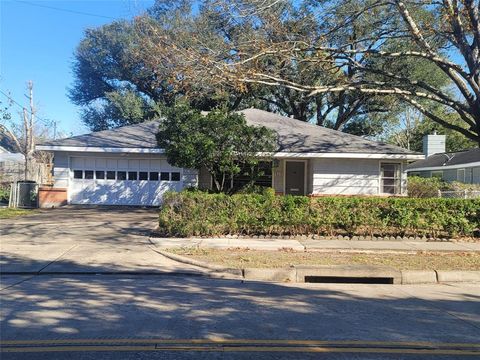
(74, 286)
(188, 317)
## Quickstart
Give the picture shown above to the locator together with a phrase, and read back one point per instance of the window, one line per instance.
(132, 175)
(77, 174)
(121, 175)
(143, 175)
(165, 176)
(390, 181)
(100, 175)
(89, 174)
(437, 174)
(461, 175)
(175, 176)
(110, 175)
(154, 176)
(263, 176)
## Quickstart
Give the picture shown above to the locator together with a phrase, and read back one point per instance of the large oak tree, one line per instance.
(422, 53)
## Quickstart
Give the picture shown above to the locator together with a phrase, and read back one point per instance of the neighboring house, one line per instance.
(12, 164)
(124, 166)
(462, 166)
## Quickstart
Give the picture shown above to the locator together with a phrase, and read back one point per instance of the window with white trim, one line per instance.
(390, 178)
(461, 175)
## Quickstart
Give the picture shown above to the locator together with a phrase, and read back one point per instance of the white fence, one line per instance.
(460, 194)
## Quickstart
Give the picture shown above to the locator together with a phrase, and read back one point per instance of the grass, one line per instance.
(239, 258)
(7, 213)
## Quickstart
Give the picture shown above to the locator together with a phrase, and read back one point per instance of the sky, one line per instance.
(37, 42)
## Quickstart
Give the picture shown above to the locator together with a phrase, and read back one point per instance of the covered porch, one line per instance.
(327, 176)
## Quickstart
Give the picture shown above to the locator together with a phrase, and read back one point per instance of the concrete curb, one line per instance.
(298, 274)
(213, 268)
(338, 272)
(270, 274)
(457, 276)
(311, 245)
(411, 277)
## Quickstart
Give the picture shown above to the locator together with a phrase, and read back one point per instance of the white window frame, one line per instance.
(400, 179)
(461, 179)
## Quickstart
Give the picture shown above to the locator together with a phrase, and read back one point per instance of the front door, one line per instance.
(295, 177)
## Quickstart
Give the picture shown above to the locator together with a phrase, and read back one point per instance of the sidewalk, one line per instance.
(312, 245)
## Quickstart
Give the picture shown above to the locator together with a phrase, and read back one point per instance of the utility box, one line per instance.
(24, 194)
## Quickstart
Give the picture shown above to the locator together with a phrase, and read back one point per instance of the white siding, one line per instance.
(472, 174)
(345, 176)
(61, 171)
(476, 175)
(433, 144)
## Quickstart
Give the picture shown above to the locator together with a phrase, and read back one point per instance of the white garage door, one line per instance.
(116, 181)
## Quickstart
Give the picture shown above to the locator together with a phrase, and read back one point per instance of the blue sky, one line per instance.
(37, 43)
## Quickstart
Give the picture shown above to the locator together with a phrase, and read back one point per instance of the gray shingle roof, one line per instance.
(299, 136)
(447, 159)
(131, 136)
(293, 136)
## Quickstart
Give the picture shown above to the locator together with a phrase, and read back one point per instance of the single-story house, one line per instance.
(124, 166)
(462, 166)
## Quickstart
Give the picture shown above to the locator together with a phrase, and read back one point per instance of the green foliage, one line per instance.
(410, 126)
(201, 214)
(112, 85)
(119, 108)
(220, 141)
(455, 141)
(420, 187)
(124, 69)
(4, 193)
(459, 186)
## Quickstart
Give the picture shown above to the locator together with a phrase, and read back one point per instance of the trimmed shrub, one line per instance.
(420, 187)
(4, 192)
(195, 213)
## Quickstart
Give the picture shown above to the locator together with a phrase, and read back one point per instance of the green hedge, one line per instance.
(420, 187)
(193, 213)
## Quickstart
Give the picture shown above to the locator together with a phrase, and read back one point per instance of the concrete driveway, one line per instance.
(82, 240)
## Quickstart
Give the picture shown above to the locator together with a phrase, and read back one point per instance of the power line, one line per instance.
(65, 10)
(45, 121)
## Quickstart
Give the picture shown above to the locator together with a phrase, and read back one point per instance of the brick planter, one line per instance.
(49, 197)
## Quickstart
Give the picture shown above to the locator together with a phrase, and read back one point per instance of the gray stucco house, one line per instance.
(124, 166)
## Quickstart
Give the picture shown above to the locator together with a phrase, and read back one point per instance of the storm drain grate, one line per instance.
(348, 280)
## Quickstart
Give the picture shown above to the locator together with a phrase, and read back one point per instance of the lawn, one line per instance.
(7, 213)
(237, 258)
